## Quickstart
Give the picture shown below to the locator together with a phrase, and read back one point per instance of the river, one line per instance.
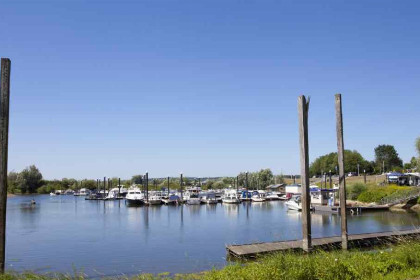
(107, 238)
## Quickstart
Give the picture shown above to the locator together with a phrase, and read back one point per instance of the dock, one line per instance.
(350, 209)
(355, 240)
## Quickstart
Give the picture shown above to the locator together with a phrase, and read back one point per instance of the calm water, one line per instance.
(108, 238)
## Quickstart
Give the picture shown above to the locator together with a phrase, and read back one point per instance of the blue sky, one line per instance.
(207, 88)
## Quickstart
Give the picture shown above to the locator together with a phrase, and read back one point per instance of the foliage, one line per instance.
(386, 154)
(329, 162)
(29, 180)
(353, 191)
(137, 179)
(375, 194)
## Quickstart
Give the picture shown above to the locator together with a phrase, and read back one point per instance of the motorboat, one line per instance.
(272, 196)
(258, 196)
(295, 203)
(83, 192)
(134, 197)
(155, 199)
(231, 197)
(246, 196)
(209, 198)
(194, 199)
(171, 199)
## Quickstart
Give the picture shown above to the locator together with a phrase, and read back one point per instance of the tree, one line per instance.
(29, 180)
(388, 156)
(137, 179)
(352, 159)
(12, 182)
(265, 178)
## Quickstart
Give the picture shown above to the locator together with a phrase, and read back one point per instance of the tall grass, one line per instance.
(400, 261)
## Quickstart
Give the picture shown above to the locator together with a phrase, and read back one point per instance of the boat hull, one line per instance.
(134, 202)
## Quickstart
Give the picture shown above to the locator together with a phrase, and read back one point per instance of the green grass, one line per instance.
(394, 262)
(374, 193)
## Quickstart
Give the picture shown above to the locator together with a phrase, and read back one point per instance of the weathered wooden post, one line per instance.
(168, 187)
(303, 108)
(4, 147)
(104, 187)
(180, 184)
(246, 185)
(147, 187)
(119, 187)
(237, 185)
(342, 177)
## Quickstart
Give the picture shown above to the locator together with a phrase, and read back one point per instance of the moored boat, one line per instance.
(134, 197)
(231, 197)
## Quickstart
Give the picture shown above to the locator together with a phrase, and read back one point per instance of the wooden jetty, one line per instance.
(355, 240)
(350, 209)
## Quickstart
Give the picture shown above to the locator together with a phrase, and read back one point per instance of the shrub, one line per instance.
(353, 191)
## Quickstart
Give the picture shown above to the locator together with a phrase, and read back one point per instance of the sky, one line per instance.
(206, 88)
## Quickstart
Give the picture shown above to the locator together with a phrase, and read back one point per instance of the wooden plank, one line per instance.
(249, 250)
(4, 147)
(342, 177)
(303, 107)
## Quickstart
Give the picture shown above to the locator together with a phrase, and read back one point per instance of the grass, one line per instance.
(374, 193)
(401, 261)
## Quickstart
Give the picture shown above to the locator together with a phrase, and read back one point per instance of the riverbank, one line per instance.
(400, 261)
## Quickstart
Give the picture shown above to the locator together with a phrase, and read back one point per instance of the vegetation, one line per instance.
(388, 156)
(373, 193)
(400, 261)
(329, 162)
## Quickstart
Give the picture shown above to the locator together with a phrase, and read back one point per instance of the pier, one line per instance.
(355, 240)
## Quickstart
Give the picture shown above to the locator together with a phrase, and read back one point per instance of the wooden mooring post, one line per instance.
(180, 184)
(342, 177)
(147, 187)
(303, 108)
(4, 147)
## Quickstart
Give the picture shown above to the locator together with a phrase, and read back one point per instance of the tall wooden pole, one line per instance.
(147, 187)
(237, 185)
(303, 108)
(104, 187)
(168, 186)
(4, 146)
(342, 178)
(180, 184)
(119, 187)
(246, 184)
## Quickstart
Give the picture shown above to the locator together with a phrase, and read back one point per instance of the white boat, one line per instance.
(171, 199)
(272, 196)
(83, 192)
(155, 199)
(194, 199)
(116, 193)
(192, 196)
(134, 197)
(52, 194)
(209, 198)
(231, 197)
(258, 196)
(295, 203)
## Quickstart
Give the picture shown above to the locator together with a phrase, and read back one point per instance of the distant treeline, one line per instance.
(386, 159)
(30, 180)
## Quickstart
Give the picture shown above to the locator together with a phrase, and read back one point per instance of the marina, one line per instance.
(107, 238)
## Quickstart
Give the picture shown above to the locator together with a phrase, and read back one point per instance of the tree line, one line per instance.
(30, 179)
(386, 159)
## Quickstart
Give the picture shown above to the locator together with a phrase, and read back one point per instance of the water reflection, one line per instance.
(115, 239)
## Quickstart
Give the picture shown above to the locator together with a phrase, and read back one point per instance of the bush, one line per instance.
(353, 191)
(375, 194)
